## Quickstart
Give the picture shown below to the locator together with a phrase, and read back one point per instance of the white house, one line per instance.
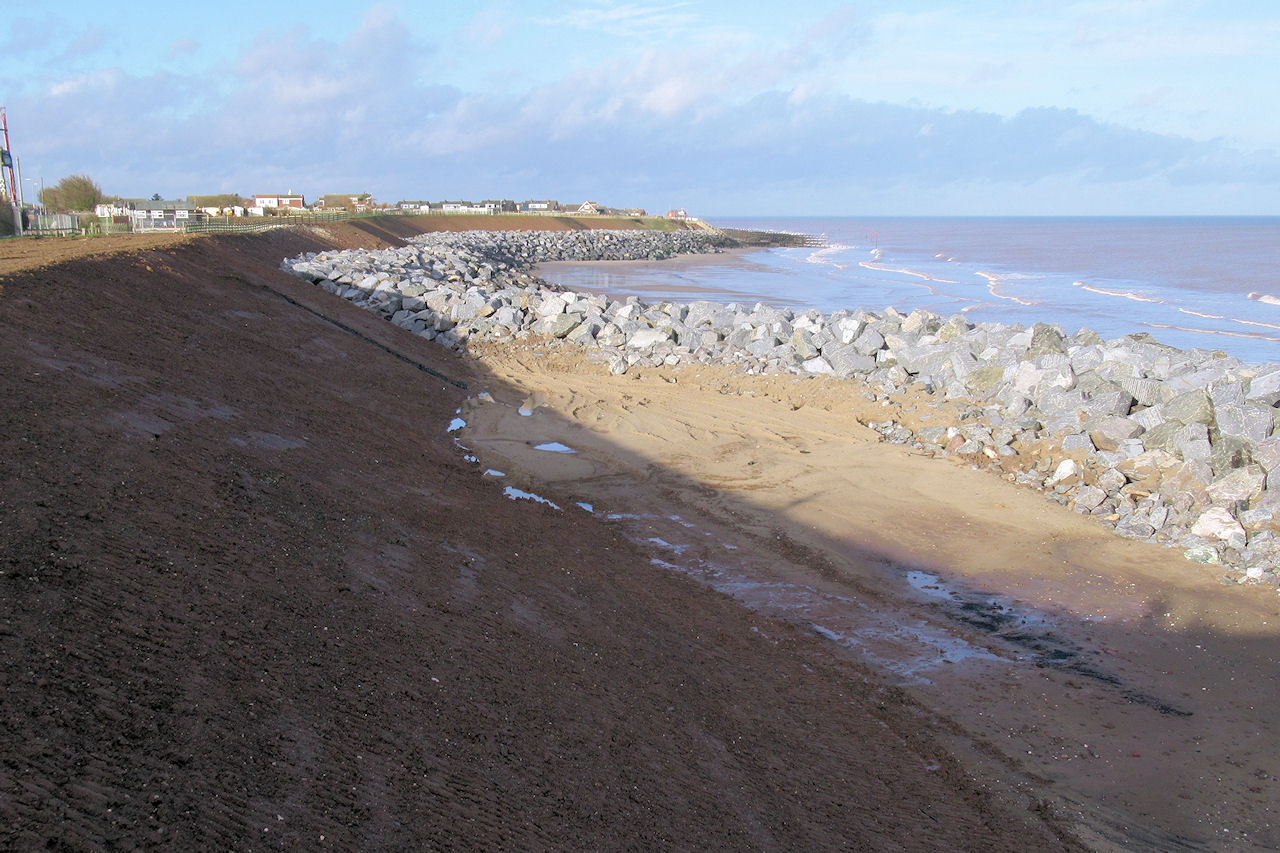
(119, 207)
(288, 200)
(468, 207)
(162, 215)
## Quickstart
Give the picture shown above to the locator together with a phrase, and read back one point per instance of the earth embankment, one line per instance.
(254, 596)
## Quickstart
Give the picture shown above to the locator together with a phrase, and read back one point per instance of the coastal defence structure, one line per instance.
(1163, 445)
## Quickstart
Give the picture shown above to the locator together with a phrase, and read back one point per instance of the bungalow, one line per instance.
(118, 207)
(589, 207)
(545, 206)
(230, 210)
(414, 205)
(468, 207)
(344, 201)
(162, 215)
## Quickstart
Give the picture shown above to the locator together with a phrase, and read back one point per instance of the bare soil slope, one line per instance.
(252, 596)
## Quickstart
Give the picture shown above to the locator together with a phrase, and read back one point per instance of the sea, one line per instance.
(1192, 282)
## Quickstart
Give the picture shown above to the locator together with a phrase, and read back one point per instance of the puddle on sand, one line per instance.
(959, 625)
(910, 649)
(554, 447)
(662, 543)
(1029, 635)
(519, 494)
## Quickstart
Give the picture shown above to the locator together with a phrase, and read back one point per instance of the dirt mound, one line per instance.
(254, 596)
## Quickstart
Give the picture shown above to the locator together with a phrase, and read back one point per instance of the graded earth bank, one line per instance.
(252, 596)
(1165, 445)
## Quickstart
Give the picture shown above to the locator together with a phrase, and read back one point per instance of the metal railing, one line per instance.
(51, 223)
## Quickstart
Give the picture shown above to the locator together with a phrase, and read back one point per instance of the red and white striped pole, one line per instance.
(10, 182)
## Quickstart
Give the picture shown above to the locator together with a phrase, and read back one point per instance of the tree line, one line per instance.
(82, 193)
(74, 192)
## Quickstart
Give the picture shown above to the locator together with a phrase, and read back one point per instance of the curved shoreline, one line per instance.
(1161, 444)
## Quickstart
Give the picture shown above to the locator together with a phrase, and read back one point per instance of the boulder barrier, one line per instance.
(1172, 446)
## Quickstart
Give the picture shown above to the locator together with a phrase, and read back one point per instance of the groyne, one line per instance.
(1166, 445)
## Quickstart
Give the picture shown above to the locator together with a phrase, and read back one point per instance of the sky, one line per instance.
(911, 107)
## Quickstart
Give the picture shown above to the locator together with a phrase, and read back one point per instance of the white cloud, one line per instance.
(631, 20)
(100, 81)
(720, 115)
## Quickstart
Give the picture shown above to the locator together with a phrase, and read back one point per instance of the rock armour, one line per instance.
(1167, 445)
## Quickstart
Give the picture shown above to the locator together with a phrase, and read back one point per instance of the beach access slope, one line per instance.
(255, 597)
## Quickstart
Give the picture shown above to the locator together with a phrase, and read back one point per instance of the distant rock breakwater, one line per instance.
(1166, 445)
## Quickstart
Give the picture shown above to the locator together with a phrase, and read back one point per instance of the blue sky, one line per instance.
(917, 107)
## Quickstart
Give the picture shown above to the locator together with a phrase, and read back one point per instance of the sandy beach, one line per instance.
(1129, 685)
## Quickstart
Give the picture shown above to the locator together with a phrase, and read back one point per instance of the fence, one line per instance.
(39, 224)
(50, 223)
(47, 224)
(108, 226)
(250, 224)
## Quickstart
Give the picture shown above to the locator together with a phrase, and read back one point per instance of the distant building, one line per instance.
(229, 210)
(149, 215)
(544, 206)
(278, 201)
(118, 207)
(485, 208)
(678, 213)
(355, 202)
(215, 204)
(589, 207)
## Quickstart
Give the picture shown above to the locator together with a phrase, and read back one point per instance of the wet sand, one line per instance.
(1134, 690)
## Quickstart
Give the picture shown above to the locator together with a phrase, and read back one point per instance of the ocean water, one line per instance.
(1211, 282)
